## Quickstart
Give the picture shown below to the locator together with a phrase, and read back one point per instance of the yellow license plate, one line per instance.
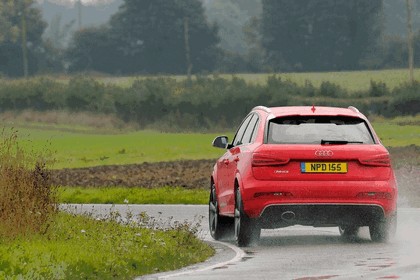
(323, 167)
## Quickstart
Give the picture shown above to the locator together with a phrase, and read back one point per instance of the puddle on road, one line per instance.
(249, 252)
(377, 263)
(249, 255)
(244, 259)
(220, 267)
(324, 277)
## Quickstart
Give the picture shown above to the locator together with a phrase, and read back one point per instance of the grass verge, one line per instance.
(121, 195)
(79, 247)
(39, 242)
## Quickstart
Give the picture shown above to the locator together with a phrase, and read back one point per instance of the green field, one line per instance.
(351, 80)
(83, 149)
(397, 135)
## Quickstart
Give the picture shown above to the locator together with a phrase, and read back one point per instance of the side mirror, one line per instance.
(220, 142)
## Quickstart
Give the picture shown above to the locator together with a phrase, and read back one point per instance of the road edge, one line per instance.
(226, 254)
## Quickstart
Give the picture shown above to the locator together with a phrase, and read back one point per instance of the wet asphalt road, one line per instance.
(303, 253)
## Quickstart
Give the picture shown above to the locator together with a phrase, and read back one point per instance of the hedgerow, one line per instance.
(200, 104)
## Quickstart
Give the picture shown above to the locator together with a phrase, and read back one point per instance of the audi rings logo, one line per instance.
(324, 153)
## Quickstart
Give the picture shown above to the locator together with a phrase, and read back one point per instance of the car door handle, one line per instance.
(226, 161)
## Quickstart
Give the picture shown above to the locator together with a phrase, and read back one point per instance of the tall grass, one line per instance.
(65, 120)
(27, 199)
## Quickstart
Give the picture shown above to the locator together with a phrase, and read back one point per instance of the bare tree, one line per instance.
(23, 12)
(79, 13)
(410, 41)
(187, 48)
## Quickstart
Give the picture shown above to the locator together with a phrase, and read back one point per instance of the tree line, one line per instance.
(174, 37)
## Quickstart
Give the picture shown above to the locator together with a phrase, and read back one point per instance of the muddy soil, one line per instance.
(185, 173)
(196, 174)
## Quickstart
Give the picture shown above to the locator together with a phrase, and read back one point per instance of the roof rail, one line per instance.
(354, 109)
(263, 108)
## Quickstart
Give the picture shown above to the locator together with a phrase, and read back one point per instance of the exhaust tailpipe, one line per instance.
(288, 216)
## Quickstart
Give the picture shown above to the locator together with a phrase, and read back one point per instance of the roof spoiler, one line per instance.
(263, 108)
(354, 109)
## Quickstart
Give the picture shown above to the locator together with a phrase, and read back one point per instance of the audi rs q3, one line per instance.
(303, 165)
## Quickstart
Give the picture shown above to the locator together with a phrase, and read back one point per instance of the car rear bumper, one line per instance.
(320, 203)
(320, 215)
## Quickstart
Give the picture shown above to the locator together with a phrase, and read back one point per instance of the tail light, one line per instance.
(382, 160)
(267, 160)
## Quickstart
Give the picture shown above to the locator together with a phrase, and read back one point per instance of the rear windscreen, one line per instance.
(318, 130)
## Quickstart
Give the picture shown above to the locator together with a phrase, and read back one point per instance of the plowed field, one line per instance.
(185, 173)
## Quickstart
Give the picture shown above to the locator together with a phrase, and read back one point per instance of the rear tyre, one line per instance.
(219, 226)
(383, 230)
(348, 232)
(247, 230)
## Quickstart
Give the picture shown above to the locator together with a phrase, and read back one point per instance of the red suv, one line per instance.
(312, 166)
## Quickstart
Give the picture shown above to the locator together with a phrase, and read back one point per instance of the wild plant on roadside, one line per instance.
(27, 199)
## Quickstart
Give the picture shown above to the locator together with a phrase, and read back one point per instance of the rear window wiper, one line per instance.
(339, 142)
